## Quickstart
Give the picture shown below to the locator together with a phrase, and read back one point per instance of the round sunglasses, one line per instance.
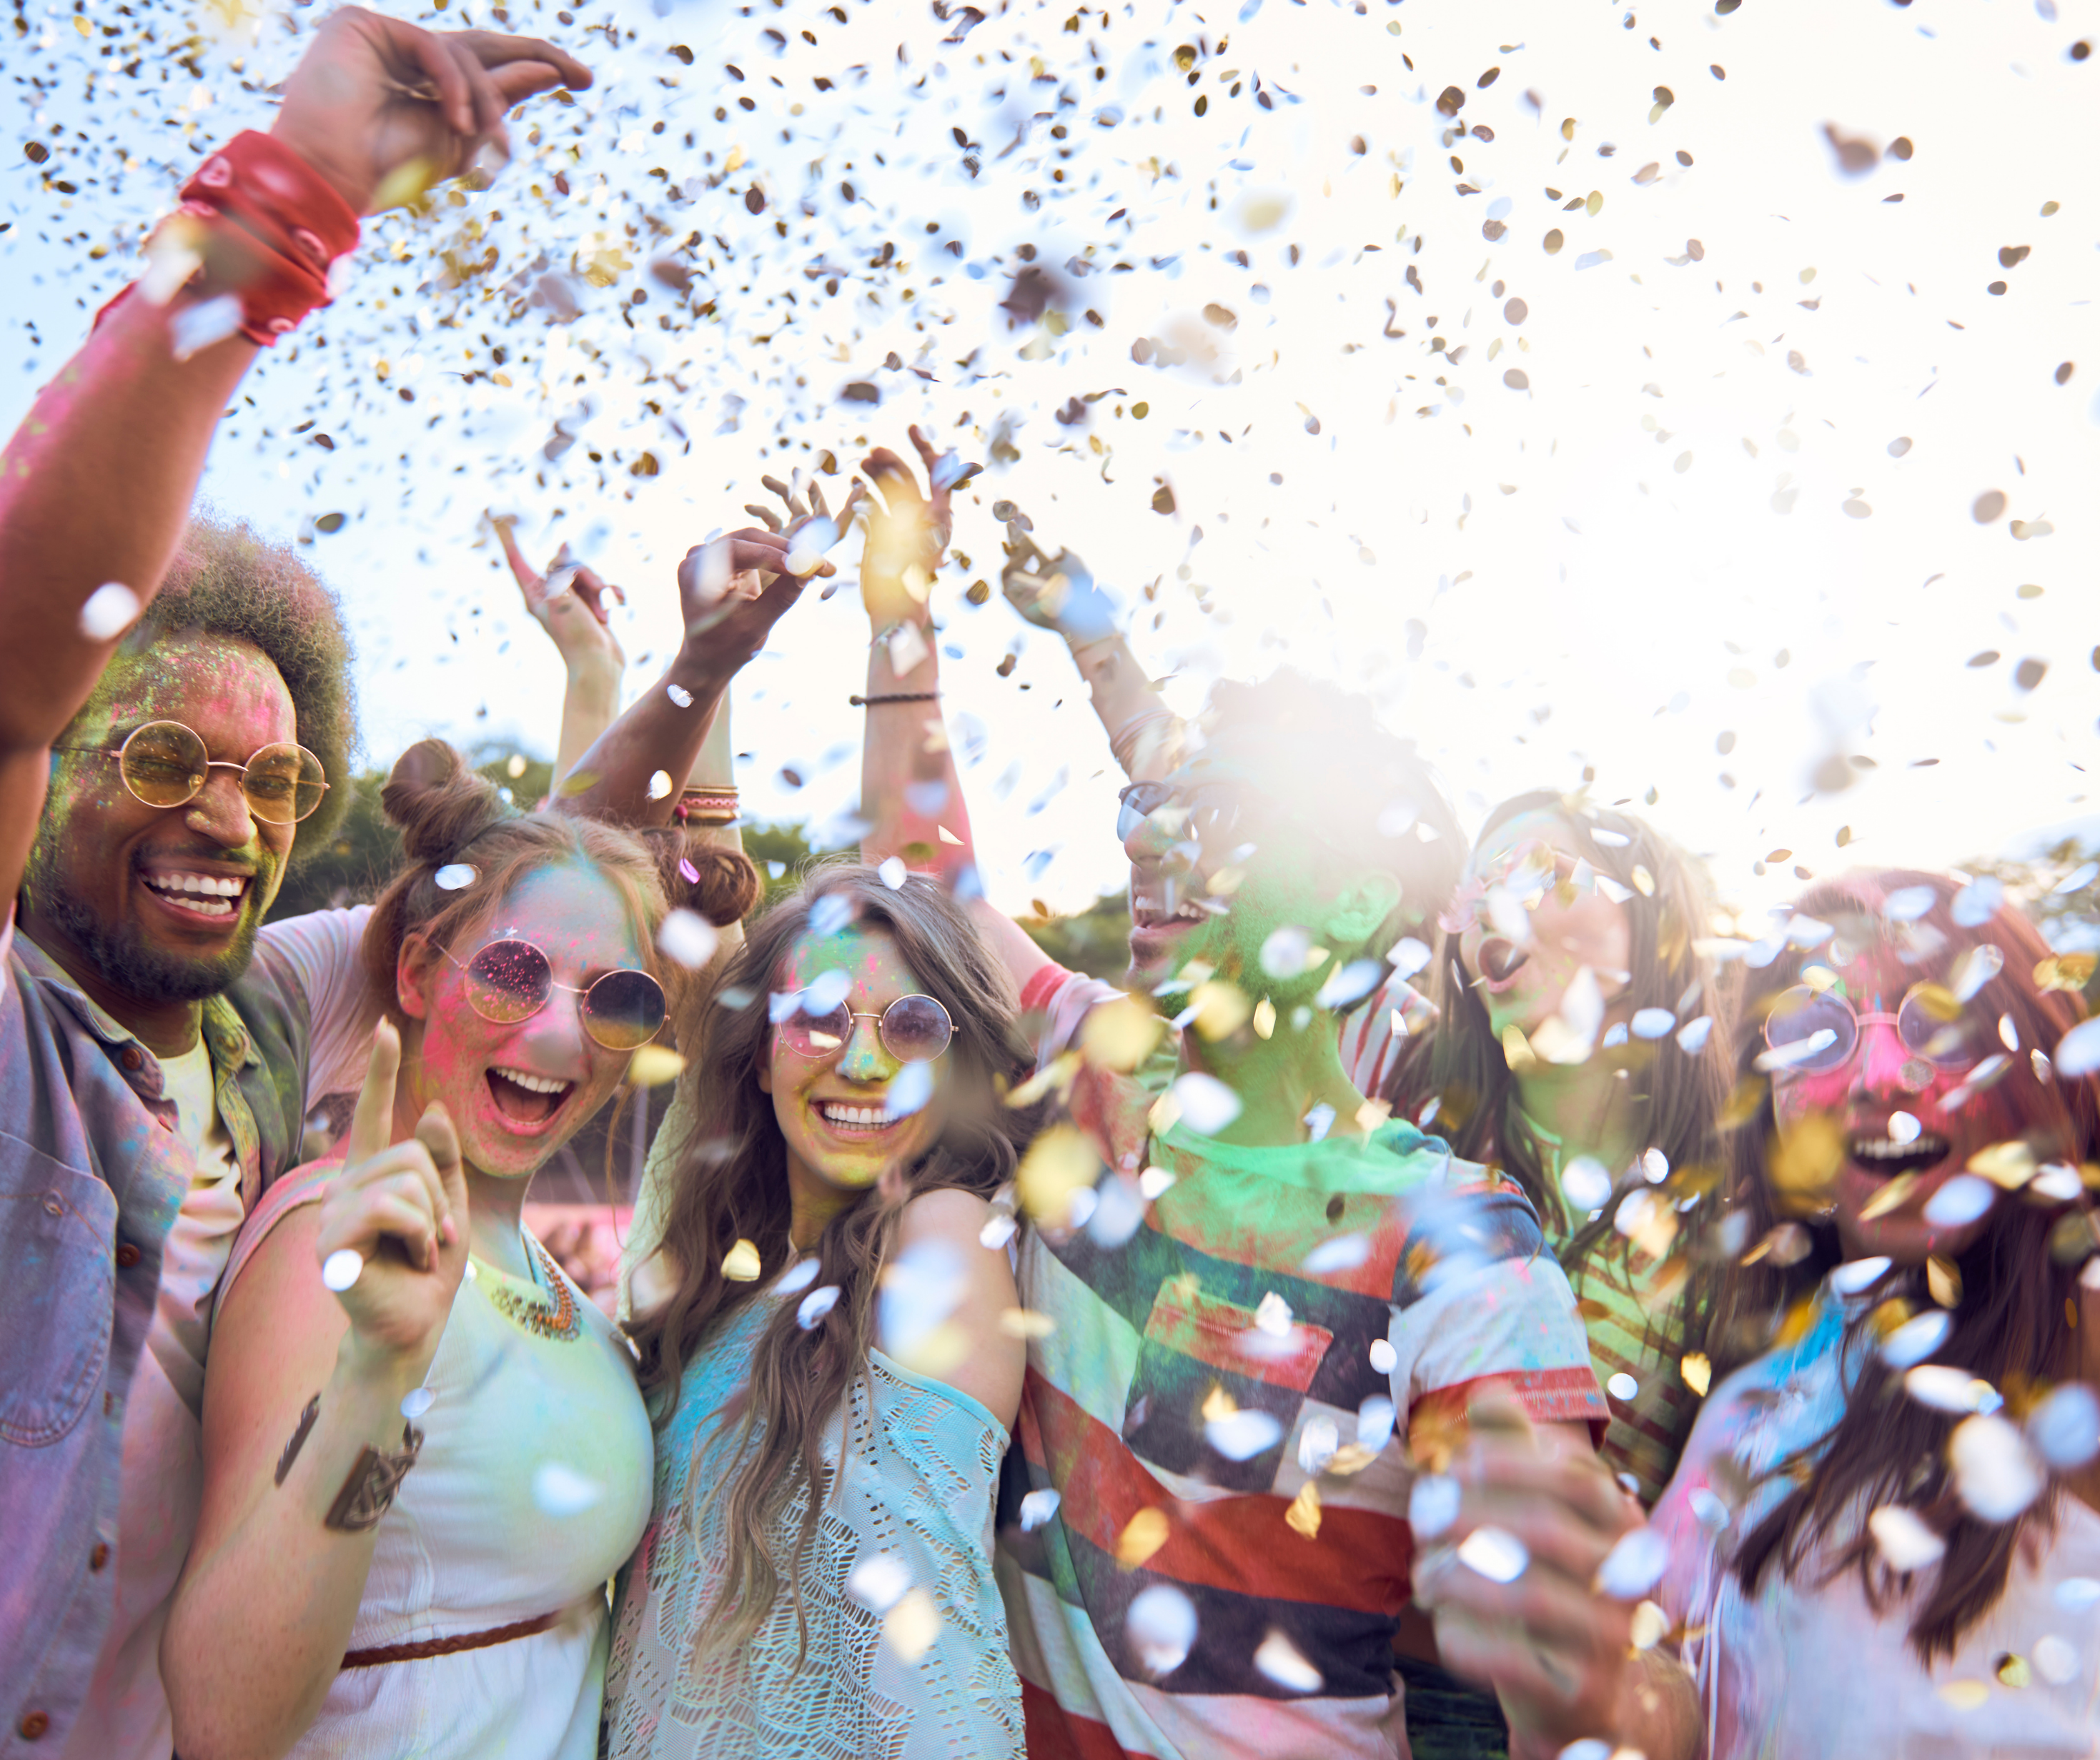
(511, 980)
(1802, 1016)
(915, 1029)
(165, 764)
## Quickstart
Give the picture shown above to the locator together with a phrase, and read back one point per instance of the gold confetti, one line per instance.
(654, 1065)
(741, 1263)
(1304, 1514)
(1943, 1277)
(1025, 1323)
(1698, 1372)
(1143, 1535)
(1120, 1034)
(1060, 1163)
(1221, 1008)
(910, 1627)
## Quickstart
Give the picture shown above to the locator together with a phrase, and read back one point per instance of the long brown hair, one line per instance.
(1461, 1066)
(2009, 1327)
(732, 1185)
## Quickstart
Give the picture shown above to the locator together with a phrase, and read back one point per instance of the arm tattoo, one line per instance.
(299, 1435)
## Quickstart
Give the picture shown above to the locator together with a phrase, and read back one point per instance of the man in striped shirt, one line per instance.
(1269, 1311)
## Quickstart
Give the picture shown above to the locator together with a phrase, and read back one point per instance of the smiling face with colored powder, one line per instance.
(848, 1112)
(517, 1091)
(151, 905)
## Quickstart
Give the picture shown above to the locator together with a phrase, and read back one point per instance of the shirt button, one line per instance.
(133, 1057)
(33, 1725)
(127, 1255)
(100, 1556)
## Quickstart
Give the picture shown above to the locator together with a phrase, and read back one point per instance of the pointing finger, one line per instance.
(371, 1126)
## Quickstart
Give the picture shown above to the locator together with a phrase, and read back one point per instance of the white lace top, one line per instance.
(924, 1676)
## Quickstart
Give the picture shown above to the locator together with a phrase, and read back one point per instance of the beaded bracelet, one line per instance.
(916, 696)
(714, 804)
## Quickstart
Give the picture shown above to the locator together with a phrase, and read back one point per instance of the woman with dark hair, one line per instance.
(423, 1464)
(1884, 1534)
(1581, 1044)
(836, 1369)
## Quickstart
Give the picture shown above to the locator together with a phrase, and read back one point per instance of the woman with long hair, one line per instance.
(425, 1452)
(835, 1369)
(1581, 1044)
(1884, 1534)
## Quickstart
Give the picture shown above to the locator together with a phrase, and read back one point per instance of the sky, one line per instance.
(1704, 426)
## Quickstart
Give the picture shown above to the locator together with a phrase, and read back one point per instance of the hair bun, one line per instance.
(715, 879)
(440, 804)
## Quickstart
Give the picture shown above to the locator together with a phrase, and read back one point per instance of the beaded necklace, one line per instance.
(560, 1321)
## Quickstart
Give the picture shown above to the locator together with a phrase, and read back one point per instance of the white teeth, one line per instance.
(1884, 1149)
(863, 1117)
(532, 1083)
(194, 884)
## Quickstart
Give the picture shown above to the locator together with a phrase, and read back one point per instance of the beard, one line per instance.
(121, 954)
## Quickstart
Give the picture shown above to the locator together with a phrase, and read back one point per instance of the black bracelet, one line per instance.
(916, 696)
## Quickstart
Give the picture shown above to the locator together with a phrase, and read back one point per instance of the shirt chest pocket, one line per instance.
(58, 1298)
(1217, 1392)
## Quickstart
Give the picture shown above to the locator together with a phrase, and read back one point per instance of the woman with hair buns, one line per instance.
(423, 1464)
(1884, 1534)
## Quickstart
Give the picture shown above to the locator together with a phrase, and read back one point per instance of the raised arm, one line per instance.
(912, 795)
(264, 1610)
(96, 483)
(732, 592)
(569, 603)
(1058, 593)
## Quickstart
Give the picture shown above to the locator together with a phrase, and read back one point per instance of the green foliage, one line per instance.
(361, 858)
(1095, 941)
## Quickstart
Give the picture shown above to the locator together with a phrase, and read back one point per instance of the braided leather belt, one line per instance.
(437, 1646)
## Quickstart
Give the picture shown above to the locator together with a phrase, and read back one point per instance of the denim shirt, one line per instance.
(92, 1172)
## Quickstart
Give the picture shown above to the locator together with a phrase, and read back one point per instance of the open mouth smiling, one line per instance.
(1501, 960)
(527, 1101)
(205, 897)
(847, 1118)
(1884, 1158)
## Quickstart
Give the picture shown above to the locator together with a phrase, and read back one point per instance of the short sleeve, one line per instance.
(1478, 1299)
(323, 948)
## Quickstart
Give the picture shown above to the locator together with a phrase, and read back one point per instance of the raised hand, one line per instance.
(375, 96)
(568, 602)
(401, 1208)
(908, 532)
(1558, 1652)
(735, 588)
(1052, 592)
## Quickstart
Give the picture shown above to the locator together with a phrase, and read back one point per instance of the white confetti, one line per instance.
(341, 1268)
(796, 1277)
(1916, 1338)
(1652, 1022)
(679, 695)
(688, 938)
(893, 873)
(1634, 1565)
(1587, 1185)
(1375, 1418)
(1344, 1252)
(1963, 1199)
(416, 1402)
(2078, 1595)
(1383, 1358)
(2064, 1426)
(1692, 1039)
(2055, 1659)
(1207, 1105)
(1995, 1473)
(878, 1582)
(1036, 1509)
(108, 611)
(455, 877)
(195, 328)
(1000, 1228)
(1948, 1389)
(1622, 1387)
(660, 785)
(2078, 1051)
(1975, 904)
(1281, 1661)
(1496, 1553)
(1160, 1625)
(1242, 1435)
(561, 1491)
(1856, 1274)
(1317, 1443)
(1433, 1505)
(811, 1313)
(1906, 1544)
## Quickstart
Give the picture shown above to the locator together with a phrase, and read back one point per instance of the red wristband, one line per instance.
(259, 223)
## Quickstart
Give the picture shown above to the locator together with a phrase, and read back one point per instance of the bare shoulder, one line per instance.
(992, 1366)
(949, 1215)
